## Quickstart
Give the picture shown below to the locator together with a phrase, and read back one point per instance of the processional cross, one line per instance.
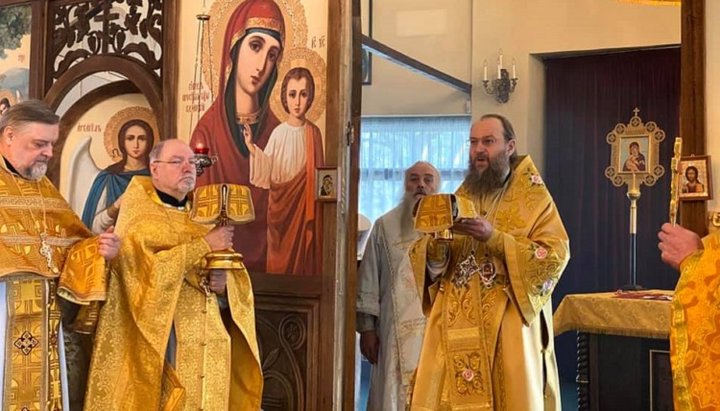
(634, 161)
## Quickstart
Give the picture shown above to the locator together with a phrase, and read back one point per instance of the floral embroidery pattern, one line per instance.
(460, 301)
(545, 288)
(543, 269)
(536, 179)
(467, 373)
(541, 253)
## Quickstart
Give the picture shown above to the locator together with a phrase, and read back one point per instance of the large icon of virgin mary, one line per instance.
(252, 48)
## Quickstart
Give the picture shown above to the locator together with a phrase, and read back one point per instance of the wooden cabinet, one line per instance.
(623, 373)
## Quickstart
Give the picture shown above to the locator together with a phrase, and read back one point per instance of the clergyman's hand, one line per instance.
(677, 243)
(114, 208)
(478, 228)
(220, 237)
(217, 281)
(370, 345)
(109, 243)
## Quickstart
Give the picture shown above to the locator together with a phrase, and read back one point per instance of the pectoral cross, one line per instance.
(466, 269)
(46, 252)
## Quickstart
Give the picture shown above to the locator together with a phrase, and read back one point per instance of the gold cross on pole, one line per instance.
(675, 180)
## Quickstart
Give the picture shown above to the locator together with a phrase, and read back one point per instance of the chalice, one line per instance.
(436, 214)
(220, 204)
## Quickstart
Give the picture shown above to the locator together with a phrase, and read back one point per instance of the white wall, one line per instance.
(435, 33)
(526, 28)
(712, 99)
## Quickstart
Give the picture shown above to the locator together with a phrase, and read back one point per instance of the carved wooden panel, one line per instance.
(82, 29)
(288, 330)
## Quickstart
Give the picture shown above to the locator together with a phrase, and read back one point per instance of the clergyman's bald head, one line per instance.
(421, 179)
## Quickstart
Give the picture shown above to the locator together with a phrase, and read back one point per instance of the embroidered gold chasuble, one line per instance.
(29, 276)
(490, 348)
(155, 284)
(695, 330)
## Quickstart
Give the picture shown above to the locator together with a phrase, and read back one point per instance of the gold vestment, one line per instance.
(155, 284)
(695, 330)
(29, 209)
(490, 347)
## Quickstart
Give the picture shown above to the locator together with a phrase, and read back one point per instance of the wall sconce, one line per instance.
(503, 85)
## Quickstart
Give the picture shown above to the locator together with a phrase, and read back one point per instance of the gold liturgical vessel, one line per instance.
(435, 214)
(219, 204)
(223, 204)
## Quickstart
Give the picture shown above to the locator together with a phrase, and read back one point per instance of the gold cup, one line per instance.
(437, 213)
(443, 235)
(222, 204)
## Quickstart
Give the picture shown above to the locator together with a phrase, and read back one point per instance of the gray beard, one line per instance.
(35, 172)
(186, 186)
(479, 183)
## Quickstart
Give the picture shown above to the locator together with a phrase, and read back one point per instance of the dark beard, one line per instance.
(479, 183)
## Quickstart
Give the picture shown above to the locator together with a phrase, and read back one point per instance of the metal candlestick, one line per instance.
(203, 159)
(633, 194)
(502, 87)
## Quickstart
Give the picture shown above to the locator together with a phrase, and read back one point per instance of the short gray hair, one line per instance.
(26, 112)
(157, 150)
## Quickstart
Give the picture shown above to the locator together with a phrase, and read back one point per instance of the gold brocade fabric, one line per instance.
(438, 212)
(27, 209)
(695, 330)
(208, 204)
(84, 279)
(482, 348)
(31, 348)
(155, 284)
(602, 313)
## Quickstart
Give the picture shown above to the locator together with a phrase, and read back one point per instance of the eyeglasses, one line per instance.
(193, 161)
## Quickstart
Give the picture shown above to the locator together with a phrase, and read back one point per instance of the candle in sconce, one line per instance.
(500, 59)
(485, 70)
(499, 68)
(201, 149)
(513, 69)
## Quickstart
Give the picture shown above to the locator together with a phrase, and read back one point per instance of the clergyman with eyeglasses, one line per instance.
(166, 331)
(487, 292)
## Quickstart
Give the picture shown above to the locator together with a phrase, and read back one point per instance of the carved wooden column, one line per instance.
(583, 372)
(692, 101)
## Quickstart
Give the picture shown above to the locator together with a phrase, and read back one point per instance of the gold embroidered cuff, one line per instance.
(689, 262)
(84, 277)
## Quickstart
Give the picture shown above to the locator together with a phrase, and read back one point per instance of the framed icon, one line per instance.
(326, 184)
(695, 179)
(634, 152)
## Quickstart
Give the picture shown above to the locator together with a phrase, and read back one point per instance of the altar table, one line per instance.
(622, 348)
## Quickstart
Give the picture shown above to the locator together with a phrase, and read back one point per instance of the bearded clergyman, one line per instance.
(41, 241)
(389, 312)
(486, 293)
